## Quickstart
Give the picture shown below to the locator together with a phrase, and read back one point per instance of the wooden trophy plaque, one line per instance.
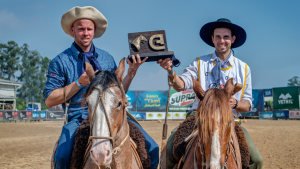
(151, 44)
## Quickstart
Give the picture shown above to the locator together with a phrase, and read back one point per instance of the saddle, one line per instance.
(186, 131)
(138, 146)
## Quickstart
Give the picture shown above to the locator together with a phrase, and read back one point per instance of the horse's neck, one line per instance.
(123, 158)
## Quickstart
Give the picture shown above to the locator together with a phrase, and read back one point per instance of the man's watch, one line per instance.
(78, 84)
(236, 105)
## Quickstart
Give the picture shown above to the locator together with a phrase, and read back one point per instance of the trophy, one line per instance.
(151, 44)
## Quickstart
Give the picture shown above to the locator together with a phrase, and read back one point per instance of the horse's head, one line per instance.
(106, 103)
(215, 122)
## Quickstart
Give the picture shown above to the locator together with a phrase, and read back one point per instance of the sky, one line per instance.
(271, 49)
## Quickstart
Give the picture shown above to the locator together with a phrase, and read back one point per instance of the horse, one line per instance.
(211, 146)
(109, 144)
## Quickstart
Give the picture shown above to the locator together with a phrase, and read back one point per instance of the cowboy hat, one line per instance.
(207, 31)
(87, 12)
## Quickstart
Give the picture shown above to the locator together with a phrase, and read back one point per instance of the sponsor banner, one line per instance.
(131, 97)
(10, 115)
(257, 103)
(266, 115)
(35, 115)
(43, 115)
(152, 100)
(157, 115)
(178, 115)
(268, 92)
(25, 115)
(139, 115)
(181, 101)
(294, 114)
(286, 98)
(281, 114)
(55, 115)
(1, 116)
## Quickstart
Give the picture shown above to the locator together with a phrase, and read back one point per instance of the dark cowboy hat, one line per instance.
(207, 31)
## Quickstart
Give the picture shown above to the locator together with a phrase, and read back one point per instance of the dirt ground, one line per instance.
(29, 145)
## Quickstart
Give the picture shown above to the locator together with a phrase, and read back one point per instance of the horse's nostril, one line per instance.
(108, 152)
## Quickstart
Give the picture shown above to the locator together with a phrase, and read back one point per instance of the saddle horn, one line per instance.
(137, 42)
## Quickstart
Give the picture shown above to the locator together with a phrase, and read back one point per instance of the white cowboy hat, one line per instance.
(87, 12)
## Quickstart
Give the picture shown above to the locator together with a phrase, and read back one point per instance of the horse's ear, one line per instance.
(89, 71)
(198, 89)
(229, 87)
(120, 70)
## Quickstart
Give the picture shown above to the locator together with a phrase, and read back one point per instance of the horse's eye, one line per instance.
(119, 104)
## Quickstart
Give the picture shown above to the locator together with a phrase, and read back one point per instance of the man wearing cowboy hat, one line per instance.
(214, 70)
(67, 71)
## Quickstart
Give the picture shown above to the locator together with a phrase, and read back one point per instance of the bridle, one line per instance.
(92, 121)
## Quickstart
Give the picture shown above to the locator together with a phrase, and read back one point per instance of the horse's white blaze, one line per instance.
(215, 148)
(101, 147)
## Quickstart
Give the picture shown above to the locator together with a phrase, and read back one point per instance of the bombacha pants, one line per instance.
(66, 141)
(256, 160)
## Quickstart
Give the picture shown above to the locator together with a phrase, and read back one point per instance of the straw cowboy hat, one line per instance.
(87, 12)
(208, 29)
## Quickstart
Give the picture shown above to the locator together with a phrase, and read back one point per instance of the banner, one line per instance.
(281, 114)
(181, 101)
(257, 103)
(10, 115)
(266, 115)
(42, 115)
(152, 100)
(35, 115)
(286, 98)
(55, 115)
(139, 115)
(178, 115)
(1, 116)
(25, 115)
(294, 114)
(268, 92)
(157, 115)
(131, 97)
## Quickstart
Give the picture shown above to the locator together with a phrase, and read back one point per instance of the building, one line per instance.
(8, 97)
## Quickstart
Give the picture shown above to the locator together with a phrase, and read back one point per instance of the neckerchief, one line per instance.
(216, 71)
(88, 57)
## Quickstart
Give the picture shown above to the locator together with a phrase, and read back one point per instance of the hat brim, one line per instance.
(87, 12)
(207, 31)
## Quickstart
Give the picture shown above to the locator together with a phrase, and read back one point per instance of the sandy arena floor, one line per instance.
(29, 145)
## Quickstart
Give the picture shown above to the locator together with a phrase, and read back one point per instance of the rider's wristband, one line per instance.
(236, 105)
(171, 72)
(78, 84)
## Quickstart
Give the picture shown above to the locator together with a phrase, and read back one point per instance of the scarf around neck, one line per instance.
(88, 57)
(216, 71)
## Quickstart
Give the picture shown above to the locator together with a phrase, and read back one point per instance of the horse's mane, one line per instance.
(103, 78)
(215, 100)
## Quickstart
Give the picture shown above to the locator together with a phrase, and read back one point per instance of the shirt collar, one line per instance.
(214, 57)
(76, 53)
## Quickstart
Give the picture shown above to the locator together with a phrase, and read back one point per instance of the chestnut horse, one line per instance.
(215, 124)
(109, 138)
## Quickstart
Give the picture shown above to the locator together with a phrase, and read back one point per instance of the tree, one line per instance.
(294, 81)
(9, 60)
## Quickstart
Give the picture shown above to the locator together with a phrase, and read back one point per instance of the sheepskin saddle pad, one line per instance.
(186, 128)
(81, 140)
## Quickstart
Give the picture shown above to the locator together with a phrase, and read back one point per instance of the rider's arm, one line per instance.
(245, 104)
(133, 67)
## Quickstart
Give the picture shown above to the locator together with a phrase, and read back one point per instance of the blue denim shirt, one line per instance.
(65, 68)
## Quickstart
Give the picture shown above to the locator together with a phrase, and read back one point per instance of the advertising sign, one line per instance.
(25, 115)
(257, 102)
(286, 98)
(42, 115)
(268, 92)
(55, 115)
(1, 116)
(35, 115)
(152, 100)
(131, 97)
(266, 115)
(10, 115)
(294, 114)
(281, 114)
(181, 101)
(178, 115)
(139, 115)
(157, 115)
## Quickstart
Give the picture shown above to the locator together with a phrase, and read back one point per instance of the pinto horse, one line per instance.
(215, 124)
